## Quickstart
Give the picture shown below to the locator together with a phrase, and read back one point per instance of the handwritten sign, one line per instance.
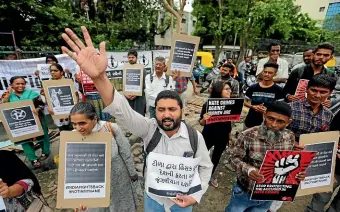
(133, 79)
(183, 54)
(44, 70)
(85, 170)
(301, 88)
(224, 109)
(169, 175)
(19, 120)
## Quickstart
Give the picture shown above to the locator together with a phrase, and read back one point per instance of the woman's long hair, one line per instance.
(217, 88)
(12, 170)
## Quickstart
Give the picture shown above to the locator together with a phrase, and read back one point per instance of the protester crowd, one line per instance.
(275, 121)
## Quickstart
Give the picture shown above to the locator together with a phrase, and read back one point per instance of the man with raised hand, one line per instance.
(174, 136)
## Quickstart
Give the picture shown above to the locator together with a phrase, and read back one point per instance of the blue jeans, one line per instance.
(240, 202)
(151, 205)
(152, 111)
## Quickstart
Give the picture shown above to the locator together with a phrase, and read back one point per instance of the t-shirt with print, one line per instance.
(259, 95)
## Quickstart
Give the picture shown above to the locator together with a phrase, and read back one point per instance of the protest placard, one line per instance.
(133, 79)
(279, 169)
(301, 88)
(183, 54)
(320, 174)
(224, 109)
(84, 174)
(20, 121)
(2, 205)
(60, 96)
(44, 70)
(171, 175)
(87, 84)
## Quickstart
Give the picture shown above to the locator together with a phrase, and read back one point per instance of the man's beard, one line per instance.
(271, 135)
(317, 64)
(175, 124)
(132, 62)
(225, 77)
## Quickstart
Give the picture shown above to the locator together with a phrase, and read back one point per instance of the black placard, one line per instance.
(224, 109)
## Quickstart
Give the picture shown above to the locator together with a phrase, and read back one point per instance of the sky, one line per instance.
(188, 7)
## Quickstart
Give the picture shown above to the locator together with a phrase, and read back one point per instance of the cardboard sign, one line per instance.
(19, 120)
(183, 54)
(84, 174)
(301, 89)
(224, 109)
(133, 79)
(44, 71)
(279, 169)
(320, 174)
(169, 175)
(60, 96)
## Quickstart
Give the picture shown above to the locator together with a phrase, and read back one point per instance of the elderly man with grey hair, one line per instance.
(156, 82)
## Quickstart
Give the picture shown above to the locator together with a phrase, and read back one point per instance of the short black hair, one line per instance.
(51, 56)
(227, 65)
(280, 107)
(324, 46)
(271, 65)
(167, 94)
(16, 77)
(229, 58)
(323, 81)
(133, 52)
(271, 45)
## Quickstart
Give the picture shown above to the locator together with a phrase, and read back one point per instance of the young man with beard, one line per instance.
(249, 151)
(225, 76)
(321, 55)
(174, 137)
(320, 200)
(274, 50)
(259, 96)
(309, 115)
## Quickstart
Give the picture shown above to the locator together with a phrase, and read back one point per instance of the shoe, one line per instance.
(213, 183)
(36, 164)
(128, 134)
(43, 157)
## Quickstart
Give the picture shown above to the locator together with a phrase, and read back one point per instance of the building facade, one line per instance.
(333, 10)
(316, 9)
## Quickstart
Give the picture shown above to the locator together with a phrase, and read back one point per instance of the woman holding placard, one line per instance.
(216, 134)
(18, 185)
(18, 92)
(123, 196)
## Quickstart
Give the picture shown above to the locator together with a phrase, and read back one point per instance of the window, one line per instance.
(321, 9)
(184, 21)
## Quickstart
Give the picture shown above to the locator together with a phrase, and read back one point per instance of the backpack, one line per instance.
(193, 138)
(166, 79)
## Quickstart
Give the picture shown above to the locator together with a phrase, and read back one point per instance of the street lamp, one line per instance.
(87, 8)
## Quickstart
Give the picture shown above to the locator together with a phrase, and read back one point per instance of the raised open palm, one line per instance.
(92, 62)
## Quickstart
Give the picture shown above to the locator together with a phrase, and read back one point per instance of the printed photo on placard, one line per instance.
(21, 121)
(2, 205)
(61, 99)
(279, 169)
(84, 170)
(132, 83)
(171, 175)
(85, 165)
(224, 109)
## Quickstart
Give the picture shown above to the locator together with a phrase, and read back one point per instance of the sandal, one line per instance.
(43, 157)
(213, 183)
(36, 164)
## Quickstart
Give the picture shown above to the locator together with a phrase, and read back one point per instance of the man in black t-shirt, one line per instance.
(259, 96)
(320, 200)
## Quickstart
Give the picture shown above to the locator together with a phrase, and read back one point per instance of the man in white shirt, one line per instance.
(156, 82)
(282, 74)
(174, 137)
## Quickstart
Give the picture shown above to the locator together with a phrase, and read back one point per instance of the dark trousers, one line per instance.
(219, 146)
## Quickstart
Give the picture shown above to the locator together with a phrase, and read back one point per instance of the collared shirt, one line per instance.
(177, 145)
(182, 82)
(305, 121)
(235, 91)
(250, 150)
(242, 67)
(157, 85)
(282, 72)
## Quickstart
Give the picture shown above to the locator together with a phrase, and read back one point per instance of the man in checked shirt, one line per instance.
(248, 153)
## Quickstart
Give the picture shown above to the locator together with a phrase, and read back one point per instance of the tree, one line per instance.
(170, 7)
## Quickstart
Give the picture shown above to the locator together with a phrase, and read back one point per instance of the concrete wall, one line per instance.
(312, 7)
